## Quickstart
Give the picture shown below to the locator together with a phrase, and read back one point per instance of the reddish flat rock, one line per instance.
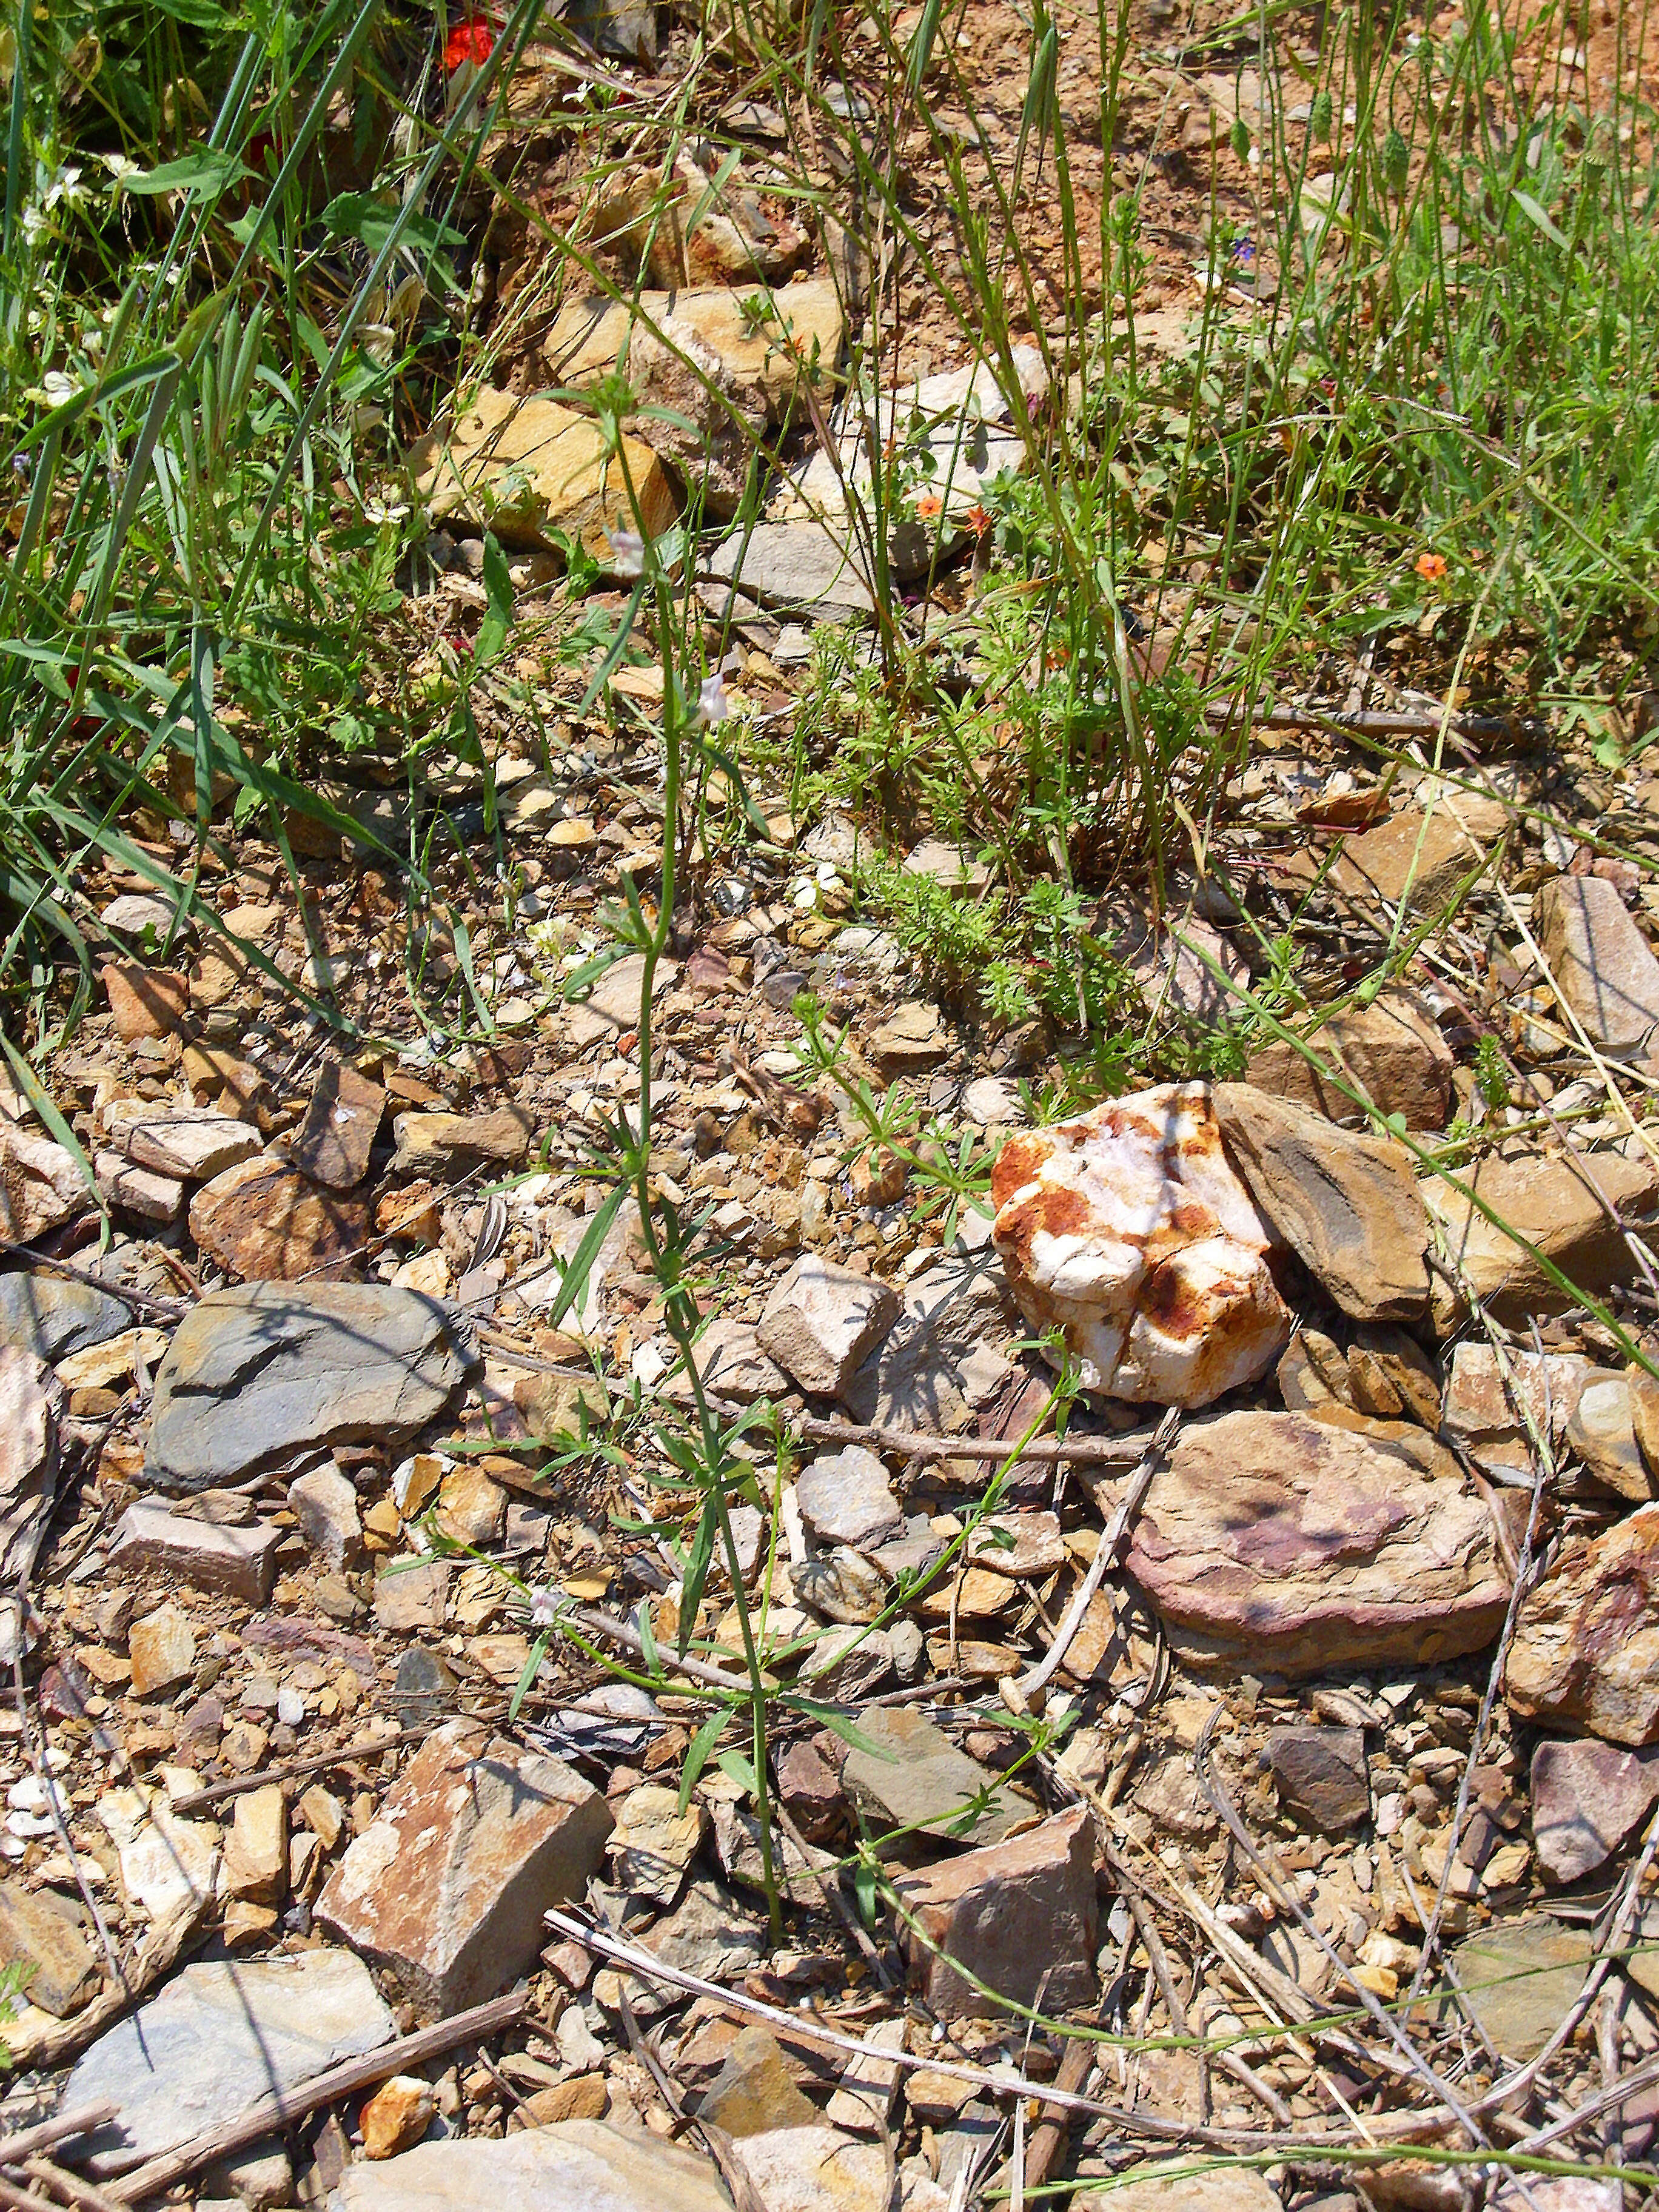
(1298, 1545)
(1018, 1915)
(1586, 1647)
(444, 1891)
(265, 1222)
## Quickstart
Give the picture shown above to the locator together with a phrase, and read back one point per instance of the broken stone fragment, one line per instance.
(755, 2089)
(939, 1363)
(53, 1315)
(804, 563)
(41, 1184)
(262, 1370)
(1586, 1798)
(845, 1497)
(1551, 1204)
(814, 2169)
(141, 1191)
(263, 1221)
(241, 1562)
(1519, 1979)
(1015, 1919)
(822, 1321)
(1601, 964)
(532, 471)
(192, 1144)
(145, 1002)
(217, 2038)
(1176, 2188)
(907, 1773)
(336, 1140)
(162, 1649)
(653, 1841)
(1347, 1204)
(324, 1504)
(912, 1040)
(1302, 1545)
(446, 1145)
(397, 2115)
(574, 2166)
(1128, 1229)
(1585, 1652)
(1417, 859)
(1392, 1051)
(484, 1838)
(1485, 1399)
(731, 1365)
(1602, 1431)
(256, 1852)
(1320, 1774)
(38, 1932)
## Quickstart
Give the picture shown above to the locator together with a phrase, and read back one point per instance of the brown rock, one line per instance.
(1483, 1409)
(40, 1934)
(1602, 1431)
(1320, 1776)
(239, 1561)
(1551, 1204)
(1391, 1378)
(1586, 1798)
(337, 1135)
(190, 1143)
(152, 1197)
(256, 1854)
(1586, 1648)
(763, 359)
(484, 1838)
(1128, 1229)
(1301, 1545)
(41, 1183)
(162, 1649)
(583, 2098)
(810, 1790)
(532, 471)
(1175, 2188)
(1016, 1916)
(448, 1145)
(1602, 965)
(399, 2114)
(755, 2089)
(263, 1221)
(146, 1002)
(1346, 1203)
(1645, 1414)
(1419, 858)
(1392, 1050)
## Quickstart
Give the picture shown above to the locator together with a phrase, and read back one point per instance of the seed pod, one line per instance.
(1322, 116)
(1240, 139)
(1396, 160)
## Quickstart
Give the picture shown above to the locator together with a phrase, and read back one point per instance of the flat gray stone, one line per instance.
(574, 2166)
(822, 1321)
(53, 1315)
(913, 1776)
(265, 1369)
(1520, 1977)
(802, 563)
(218, 2037)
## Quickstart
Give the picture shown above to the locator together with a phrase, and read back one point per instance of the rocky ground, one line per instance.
(1236, 1782)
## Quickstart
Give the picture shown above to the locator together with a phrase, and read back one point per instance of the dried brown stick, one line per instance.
(71, 2187)
(16, 2199)
(15, 2149)
(281, 2107)
(1048, 2145)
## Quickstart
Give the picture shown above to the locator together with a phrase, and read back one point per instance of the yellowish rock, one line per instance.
(397, 2115)
(526, 469)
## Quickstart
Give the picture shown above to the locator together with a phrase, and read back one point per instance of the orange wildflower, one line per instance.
(1432, 567)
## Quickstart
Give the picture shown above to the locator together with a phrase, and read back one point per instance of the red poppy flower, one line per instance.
(471, 40)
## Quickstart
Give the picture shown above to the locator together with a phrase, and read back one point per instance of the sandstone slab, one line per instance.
(263, 1221)
(42, 1184)
(1129, 1229)
(1551, 1204)
(1016, 1917)
(38, 1931)
(814, 2169)
(754, 2090)
(802, 563)
(1601, 1430)
(822, 1321)
(1345, 1203)
(574, 2166)
(1173, 2187)
(940, 1362)
(1604, 966)
(530, 469)
(1392, 1050)
(483, 1838)
(241, 1562)
(1586, 1798)
(221, 2036)
(1520, 1977)
(259, 1372)
(192, 1143)
(764, 356)
(1301, 1546)
(1418, 858)
(448, 1145)
(162, 1649)
(1585, 1652)
(145, 1002)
